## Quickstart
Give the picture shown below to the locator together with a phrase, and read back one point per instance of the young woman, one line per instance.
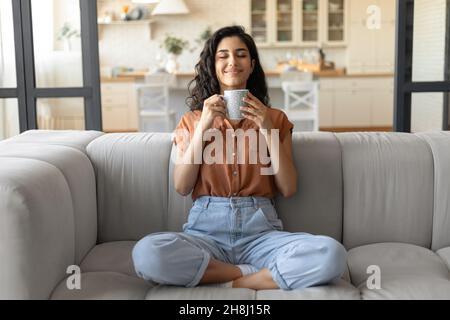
(233, 235)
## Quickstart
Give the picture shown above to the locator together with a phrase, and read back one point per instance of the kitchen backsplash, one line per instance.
(130, 45)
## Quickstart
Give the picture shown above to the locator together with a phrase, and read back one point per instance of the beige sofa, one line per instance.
(83, 198)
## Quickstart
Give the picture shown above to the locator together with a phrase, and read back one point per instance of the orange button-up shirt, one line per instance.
(232, 178)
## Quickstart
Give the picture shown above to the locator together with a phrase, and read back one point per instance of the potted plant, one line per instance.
(174, 46)
(202, 38)
(66, 33)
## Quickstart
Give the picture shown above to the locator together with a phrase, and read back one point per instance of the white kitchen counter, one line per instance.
(345, 101)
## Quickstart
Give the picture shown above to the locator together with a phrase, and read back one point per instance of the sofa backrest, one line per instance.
(388, 189)
(439, 143)
(136, 196)
(132, 184)
(66, 151)
(358, 188)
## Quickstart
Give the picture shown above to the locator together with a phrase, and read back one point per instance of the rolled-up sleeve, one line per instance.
(183, 133)
(285, 126)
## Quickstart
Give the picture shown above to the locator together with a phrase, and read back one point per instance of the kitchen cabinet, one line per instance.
(382, 107)
(335, 22)
(356, 102)
(351, 108)
(259, 21)
(287, 23)
(310, 21)
(326, 107)
(371, 49)
(284, 20)
(273, 22)
(119, 107)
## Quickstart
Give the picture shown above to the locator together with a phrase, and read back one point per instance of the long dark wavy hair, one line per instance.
(205, 84)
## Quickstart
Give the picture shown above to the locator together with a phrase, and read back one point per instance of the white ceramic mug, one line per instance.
(233, 99)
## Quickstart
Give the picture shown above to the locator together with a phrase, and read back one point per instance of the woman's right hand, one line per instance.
(213, 107)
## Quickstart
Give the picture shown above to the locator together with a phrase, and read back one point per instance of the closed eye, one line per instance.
(239, 56)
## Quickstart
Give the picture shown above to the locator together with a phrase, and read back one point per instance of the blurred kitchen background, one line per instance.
(344, 49)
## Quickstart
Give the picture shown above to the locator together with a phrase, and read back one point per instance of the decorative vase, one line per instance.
(172, 64)
(67, 45)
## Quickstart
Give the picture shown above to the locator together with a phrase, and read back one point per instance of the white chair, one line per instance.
(296, 75)
(153, 101)
(301, 100)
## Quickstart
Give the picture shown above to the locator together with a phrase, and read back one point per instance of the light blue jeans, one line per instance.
(238, 230)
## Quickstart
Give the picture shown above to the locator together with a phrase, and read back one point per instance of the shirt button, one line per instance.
(234, 154)
(234, 173)
(235, 194)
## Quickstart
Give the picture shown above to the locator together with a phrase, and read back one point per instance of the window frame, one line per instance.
(26, 91)
(404, 86)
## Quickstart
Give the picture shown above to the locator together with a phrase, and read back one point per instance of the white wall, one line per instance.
(428, 62)
(130, 46)
(9, 115)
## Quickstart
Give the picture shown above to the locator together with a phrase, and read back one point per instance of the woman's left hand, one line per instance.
(257, 112)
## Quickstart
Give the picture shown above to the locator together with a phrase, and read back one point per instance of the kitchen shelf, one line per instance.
(143, 22)
(129, 22)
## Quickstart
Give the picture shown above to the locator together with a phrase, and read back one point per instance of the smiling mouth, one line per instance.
(232, 72)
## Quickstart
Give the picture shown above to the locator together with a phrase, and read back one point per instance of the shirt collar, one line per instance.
(226, 124)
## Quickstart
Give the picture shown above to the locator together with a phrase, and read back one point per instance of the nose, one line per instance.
(232, 61)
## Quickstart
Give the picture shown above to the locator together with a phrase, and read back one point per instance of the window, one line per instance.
(423, 72)
(49, 64)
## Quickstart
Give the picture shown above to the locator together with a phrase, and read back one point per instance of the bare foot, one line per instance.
(220, 272)
(257, 281)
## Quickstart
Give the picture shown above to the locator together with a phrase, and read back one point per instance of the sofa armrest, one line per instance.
(36, 228)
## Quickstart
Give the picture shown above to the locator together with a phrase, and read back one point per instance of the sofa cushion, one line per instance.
(103, 286)
(439, 143)
(316, 207)
(406, 272)
(36, 228)
(388, 189)
(79, 175)
(199, 293)
(178, 206)
(110, 256)
(338, 290)
(70, 138)
(444, 253)
(132, 184)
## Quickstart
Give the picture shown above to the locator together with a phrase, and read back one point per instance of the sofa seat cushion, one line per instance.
(104, 286)
(206, 292)
(337, 290)
(406, 272)
(110, 256)
(115, 258)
